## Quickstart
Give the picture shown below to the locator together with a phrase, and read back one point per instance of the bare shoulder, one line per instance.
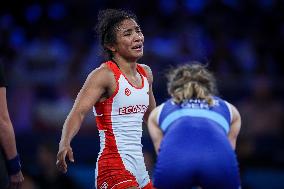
(148, 72)
(235, 112)
(154, 113)
(101, 75)
(157, 109)
(233, 107)
(102, 72)
(146, 68)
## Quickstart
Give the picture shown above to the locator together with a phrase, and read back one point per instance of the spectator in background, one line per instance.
(194, 134)
(8, 144)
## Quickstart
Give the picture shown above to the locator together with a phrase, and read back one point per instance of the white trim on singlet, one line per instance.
(121, 183)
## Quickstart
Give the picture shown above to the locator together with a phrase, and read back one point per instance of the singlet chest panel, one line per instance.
(130, 101)
(121, 115)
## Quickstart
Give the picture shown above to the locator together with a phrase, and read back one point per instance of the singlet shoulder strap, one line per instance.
(113, 67)
(141, 70)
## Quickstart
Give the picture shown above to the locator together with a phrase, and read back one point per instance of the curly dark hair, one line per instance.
(108, 21)
(191, 80)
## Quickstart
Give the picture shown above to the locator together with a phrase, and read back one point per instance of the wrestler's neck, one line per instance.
(128, 67)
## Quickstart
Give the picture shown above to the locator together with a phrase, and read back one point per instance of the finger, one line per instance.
(70, 155)
(61, 167)
(61, 154)
(61, 159)
(61, 163)
(22, 178)
(58, 165)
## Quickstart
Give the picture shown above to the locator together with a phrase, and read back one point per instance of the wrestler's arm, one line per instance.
(152, 101)
(156, 133)
(94, 87)
(235, 126)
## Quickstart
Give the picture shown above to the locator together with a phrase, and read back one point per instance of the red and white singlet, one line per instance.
(120, 162)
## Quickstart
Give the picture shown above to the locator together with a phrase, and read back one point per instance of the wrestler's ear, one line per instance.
(110, 47)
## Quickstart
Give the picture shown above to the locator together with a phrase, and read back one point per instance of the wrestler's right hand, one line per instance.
(61, 155)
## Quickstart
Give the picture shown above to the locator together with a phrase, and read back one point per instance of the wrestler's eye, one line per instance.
(126, 34)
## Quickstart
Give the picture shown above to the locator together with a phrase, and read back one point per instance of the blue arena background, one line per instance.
(49, 47)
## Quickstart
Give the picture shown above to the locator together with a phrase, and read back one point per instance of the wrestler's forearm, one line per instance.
(7, 139)
(71, 127)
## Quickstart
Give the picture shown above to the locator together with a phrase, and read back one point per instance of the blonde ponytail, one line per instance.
(191, 81)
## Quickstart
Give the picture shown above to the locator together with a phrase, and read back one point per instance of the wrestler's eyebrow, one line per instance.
(137, 28)
(128, 30)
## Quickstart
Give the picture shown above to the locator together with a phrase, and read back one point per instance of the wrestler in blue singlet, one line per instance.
(195, 147)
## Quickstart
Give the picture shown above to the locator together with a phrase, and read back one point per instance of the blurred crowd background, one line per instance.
(48, 48)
